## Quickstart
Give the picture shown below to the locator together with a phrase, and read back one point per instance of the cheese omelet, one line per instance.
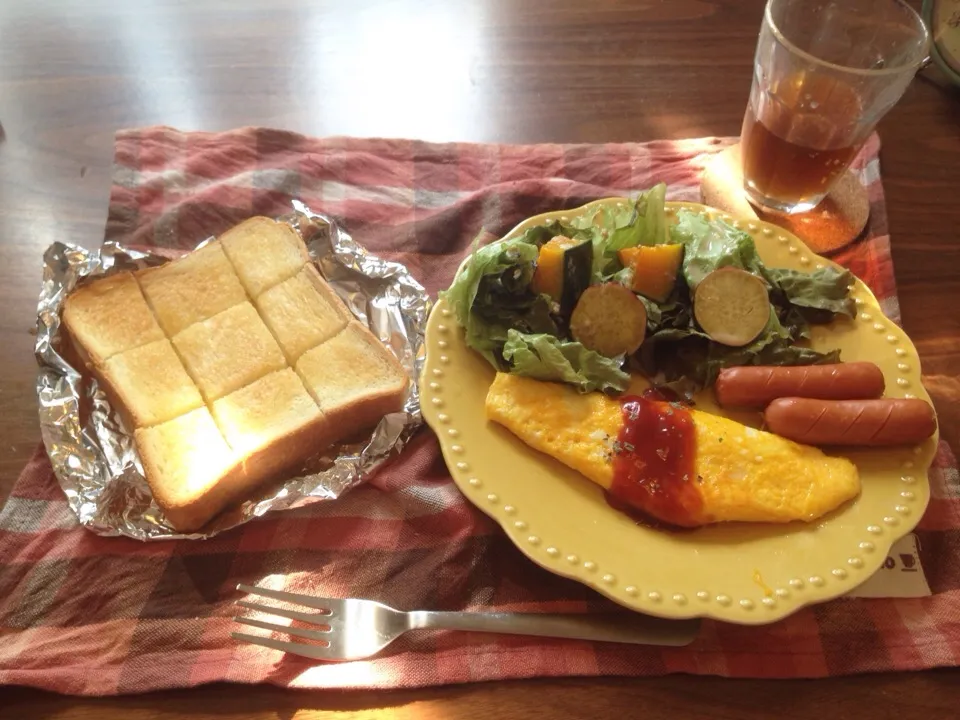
(742, 474)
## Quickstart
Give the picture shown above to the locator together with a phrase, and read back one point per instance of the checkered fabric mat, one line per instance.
(90, 615)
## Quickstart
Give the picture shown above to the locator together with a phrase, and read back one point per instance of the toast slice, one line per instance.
(149, 384)
(228, 351)
(302, 312)
(264, 253)
(272, 424)
(108, 317)
(191, 470)
(233, 364)
(199, 463)
(192, 288)
(354, 379)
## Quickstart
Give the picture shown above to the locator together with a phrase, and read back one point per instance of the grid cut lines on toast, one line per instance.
(232, 362)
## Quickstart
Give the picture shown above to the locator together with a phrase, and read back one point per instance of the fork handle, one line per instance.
(623, 628)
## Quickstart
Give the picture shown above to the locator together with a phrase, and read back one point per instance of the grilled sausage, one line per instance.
(880, 422)
(754, 387)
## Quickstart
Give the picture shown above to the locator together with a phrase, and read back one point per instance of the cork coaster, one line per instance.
(833, 224)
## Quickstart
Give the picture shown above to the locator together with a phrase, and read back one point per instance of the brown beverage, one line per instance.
(797, 137)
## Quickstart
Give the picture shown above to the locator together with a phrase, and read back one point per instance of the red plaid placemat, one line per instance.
(90, 615)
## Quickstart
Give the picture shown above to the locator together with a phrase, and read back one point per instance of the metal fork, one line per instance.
(352, 629)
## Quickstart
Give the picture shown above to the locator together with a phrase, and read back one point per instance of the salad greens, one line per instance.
(546, 357)
(676, 349)
(613, 229)
(492, 295)
(521, 331)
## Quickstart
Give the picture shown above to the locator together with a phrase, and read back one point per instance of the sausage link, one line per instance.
(755, 387)
(874, 423)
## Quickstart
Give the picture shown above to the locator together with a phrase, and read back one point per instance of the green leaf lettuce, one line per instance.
(492, 294)
(545, 357)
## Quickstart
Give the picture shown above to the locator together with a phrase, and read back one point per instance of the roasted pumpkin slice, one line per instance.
(563, 271)
(655, 269)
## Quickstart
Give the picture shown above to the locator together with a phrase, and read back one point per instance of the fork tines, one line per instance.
(317, 652)
(320, 634)
(324, 604)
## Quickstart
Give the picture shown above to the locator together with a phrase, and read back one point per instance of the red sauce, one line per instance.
(654, 468)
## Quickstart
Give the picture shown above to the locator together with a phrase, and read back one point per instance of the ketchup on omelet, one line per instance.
(654, 463)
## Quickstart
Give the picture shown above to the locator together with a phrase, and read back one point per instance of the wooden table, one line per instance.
(74, 71)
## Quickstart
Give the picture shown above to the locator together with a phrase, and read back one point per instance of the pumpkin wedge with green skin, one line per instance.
(563, 271)
(654, 268)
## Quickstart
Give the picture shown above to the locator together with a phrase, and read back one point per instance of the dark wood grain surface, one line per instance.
(74, 71)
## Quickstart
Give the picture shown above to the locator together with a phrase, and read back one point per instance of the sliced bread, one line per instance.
(264, 252)
(272, 423)
(109, 316)
(228, 351)
(232, 364)
(354, 379)
(149, 384)
(191, 470)
(191, 289)
(302, 312)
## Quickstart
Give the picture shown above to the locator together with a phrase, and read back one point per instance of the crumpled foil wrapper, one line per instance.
(93, 453)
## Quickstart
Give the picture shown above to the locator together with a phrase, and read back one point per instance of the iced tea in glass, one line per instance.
(825, 72)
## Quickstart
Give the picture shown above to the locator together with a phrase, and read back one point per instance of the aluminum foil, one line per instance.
(92, 452)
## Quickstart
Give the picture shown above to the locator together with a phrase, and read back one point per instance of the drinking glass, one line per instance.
(825, 72)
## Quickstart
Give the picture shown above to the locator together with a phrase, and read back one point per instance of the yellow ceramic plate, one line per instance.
(743, 573)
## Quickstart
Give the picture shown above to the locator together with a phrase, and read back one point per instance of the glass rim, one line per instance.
(867, 72)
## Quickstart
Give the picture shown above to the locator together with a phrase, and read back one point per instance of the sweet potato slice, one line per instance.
(609, 319)
(732, 306)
